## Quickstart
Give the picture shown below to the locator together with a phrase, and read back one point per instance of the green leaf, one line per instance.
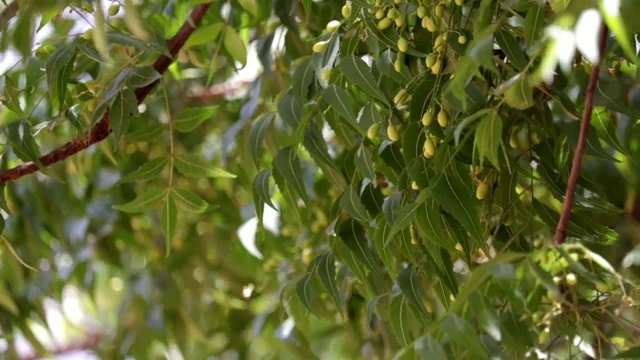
(352, 233)
(302, 79)
(124, 107)
(23, 34)
(359, 73)
(489, 138)
(338, 99)
(203, 35)
(58, 68)
(194, 167)
(326, 269)
(449, 190)
(143, 202)
(290, 111)
(520, 94)
(12, 91)
(189, 119)
(461, 332)
(6, 301)
(149, 170)
(22, 141)
(189, 200)
(533, 23)
(3, 199)
(398, 314)
(429, 349)
(410, 286)
(148, 133)
(288, 165)
(303, 290)
(261, 190)
(169, 221)
(403, 216)
(614, 20)
(364, 162)
(234, 45)
(511, 47)
(141, 76)
(256, 137)
(350, 201)
(384, 250)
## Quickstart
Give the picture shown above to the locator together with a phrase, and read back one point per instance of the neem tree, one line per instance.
(454, 179)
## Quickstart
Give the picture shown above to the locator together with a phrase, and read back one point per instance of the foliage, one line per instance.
(416, 152)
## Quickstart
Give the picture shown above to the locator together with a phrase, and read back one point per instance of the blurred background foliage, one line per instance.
(416, 152)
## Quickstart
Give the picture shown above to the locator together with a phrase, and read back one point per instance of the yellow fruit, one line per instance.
(400, 20)
(384, 24)
(380, 14)
(403, 44)
(437, 67)
(422, 11)
(307, 255)
(443, 118)
(513, 141)
(429, 24)
(429, 148)
(571, 279)
(325, 75)
(114, 9)
(398, 2)
(397, 65)
(459, 2)
(439, 10)
(320, 46)
(333, 25)
(427, 118)
(401, 97)
(431, 60)
(373, 130)
(482, 190)
(378, 3)
(392, 13)
(462, 39)
(414, 186)
(392, 132)
(439, 44)
(88, 35)
(346, 10)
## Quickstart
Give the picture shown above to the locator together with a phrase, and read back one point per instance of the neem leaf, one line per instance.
(257, 135)
(124, 107)
(57, 74)
(358, 72)
(461, 332)
(142, 76)
(520, 94)
(352, 234)
(327, 272)
(303, 290)
(147, 171)
(489, 137)
(340, 101)
(194, 167)
(411, 288)
(189, 119)
(169, 221)
(189, 200)
(144, 202)
(234, 45)
(22, 141)
(289, 167)
(399, 321)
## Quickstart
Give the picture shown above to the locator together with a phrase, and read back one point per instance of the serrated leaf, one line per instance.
(409, 285)
(23, 34)
(302, 79)
(142, 76)
(194, 167)
(385, 252)
(169, 221)
(22, 142)
(359, 73)
(429, 349)
(398, 313)
(189, 119)
(288, 166)
(256, 137)
(403, 216)
(148, 133)
(303, 290)
(461, 332)
(234, 45)
(147, 171)
(364, 162)
(189, 200)
(533, 23)
(123, 108)
(520, 94)
(489, 138)
(352, 233)
(290, 111)
(511, 47)
(12, 92)
(57, 69)
(326, 269)
(340, 101)
(143, 202)
(204, 35)
(350, 202)
(449, 190)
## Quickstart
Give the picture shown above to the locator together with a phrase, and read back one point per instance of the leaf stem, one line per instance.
(561, 230)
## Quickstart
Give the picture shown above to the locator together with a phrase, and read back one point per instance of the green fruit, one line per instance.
(346, 10)
(459, 2)
(392, 132)
(431, 60)
(333, 25)
(373, 130)
(437, 67)
(571, 279)
(427, 118)
(422, 11)
(462, 39)
(114, 9)
(398, 2)
(400, 20)
(439, 10)
(320, 46)
(443, 118)
(88, 35)
(384, 24)
(325, 74)
(429, 148)
(380, 14)
(429, 24)
(482, 190)
(398, 64)
(403, 44)
(439, 44)
(401, 97)
(392, 13)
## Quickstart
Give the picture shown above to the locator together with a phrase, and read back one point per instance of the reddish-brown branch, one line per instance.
(8, 12)
(561, 230)
(90, 342)
(102, 130)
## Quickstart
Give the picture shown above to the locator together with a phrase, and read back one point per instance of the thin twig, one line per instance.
(102, 130)
(561, 230)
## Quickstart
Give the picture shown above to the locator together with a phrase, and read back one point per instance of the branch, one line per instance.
(7, 13)
(102, 130)
(561, 230)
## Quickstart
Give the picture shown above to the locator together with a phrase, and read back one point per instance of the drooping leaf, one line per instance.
(143, 202)
(326, 269)
(190, 118)
(124, 107)
(352, 234)
(149, 170)
(194, 167)
(358, 72)
(289, 167)
(169, 221)
(410, 285)
(235, 46)
(489, 138)
(189, 200)
(461, 332)
(340, 101)
(58, 69)
(398, 318)
(22, 142)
